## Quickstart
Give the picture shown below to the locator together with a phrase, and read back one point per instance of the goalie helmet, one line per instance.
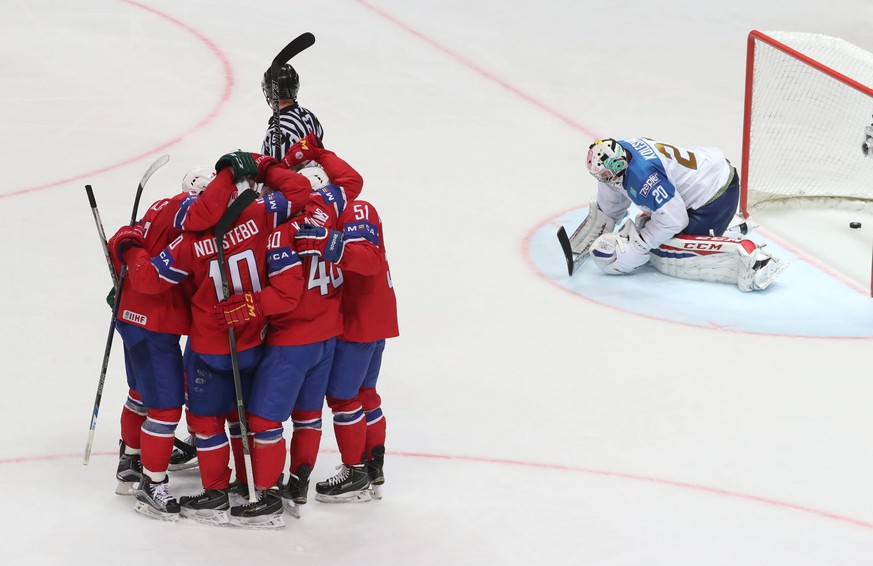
(317, 176)
(607, 161)
(289, 84)
(196, 179)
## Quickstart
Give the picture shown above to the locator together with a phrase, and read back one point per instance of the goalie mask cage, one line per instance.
(807, 123)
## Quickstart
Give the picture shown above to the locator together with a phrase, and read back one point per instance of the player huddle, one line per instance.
(286, 309)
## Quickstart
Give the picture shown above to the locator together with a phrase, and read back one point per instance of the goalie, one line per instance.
(689, 198)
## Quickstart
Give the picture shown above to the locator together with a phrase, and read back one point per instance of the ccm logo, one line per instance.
(701, 246)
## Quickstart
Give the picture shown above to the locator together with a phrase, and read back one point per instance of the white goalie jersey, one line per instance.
(665, 181)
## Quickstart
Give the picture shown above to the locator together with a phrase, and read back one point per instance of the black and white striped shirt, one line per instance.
(295, 122)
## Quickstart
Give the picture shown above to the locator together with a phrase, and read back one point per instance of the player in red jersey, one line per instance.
(369, 317)
(369, 310)
(292, 378)
(190, 260)
(151, 328)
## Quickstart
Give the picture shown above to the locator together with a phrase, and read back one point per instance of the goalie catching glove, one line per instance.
(315, 240)
(238, 309)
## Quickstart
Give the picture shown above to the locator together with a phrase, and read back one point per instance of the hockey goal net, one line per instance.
(808, 121)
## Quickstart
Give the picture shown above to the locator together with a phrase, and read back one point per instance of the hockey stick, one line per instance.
(159, 162)
(93, 202)
(565, 247)
(224, 223)
(574, 259)
(576, 247)
(298, 44)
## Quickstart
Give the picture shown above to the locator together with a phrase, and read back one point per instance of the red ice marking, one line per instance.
(478, 69)
(649, 479)
(211, 115)
(554, 467)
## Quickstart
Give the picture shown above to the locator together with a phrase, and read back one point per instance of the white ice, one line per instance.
(527, 424)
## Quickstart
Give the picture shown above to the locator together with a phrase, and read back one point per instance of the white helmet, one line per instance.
(317, 176)
(607, 161)
(196, 179)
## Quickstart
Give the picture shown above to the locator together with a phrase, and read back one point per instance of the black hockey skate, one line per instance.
(265, 513)
(350, 485)
(153, 500)
(294, 493)
(240, 489)
(374, 470)
(184, 456)
(129, 471)
(209, 507)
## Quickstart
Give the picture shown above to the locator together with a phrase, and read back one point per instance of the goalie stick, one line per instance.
(574, 258)
(568, 251)
(224, 223)
(298, 44)
(576, 247)
(158, 163)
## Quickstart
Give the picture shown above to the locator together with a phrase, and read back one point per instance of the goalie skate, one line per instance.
(765, 271)
(740, 227)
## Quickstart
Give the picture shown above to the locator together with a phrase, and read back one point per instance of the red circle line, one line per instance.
(211, 115)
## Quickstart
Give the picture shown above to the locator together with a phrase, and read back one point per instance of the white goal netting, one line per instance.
(807, 117)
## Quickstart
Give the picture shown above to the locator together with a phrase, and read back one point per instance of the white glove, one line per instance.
(617, 254)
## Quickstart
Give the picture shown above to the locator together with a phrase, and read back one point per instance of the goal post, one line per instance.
(807, 122)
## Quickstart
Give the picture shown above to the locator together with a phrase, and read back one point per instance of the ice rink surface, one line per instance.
(532, 419)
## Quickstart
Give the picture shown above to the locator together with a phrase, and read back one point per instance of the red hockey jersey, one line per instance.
(318, 315)
(162, 223)
(368, 303)
(193, 258)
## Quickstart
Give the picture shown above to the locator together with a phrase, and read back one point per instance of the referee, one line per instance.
(295, 121)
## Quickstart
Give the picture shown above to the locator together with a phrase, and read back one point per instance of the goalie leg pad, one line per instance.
(718, 260)
(716, 266)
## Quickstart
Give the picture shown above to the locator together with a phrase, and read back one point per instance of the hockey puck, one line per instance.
(854, 224)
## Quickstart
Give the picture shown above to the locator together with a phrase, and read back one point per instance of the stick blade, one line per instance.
(300, 43)
(564, 240)
(157, 164)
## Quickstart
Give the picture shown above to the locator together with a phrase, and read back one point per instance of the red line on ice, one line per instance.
(822, 514)
(211, 115)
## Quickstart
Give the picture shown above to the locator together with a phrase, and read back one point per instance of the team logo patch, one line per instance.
(134, 318)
